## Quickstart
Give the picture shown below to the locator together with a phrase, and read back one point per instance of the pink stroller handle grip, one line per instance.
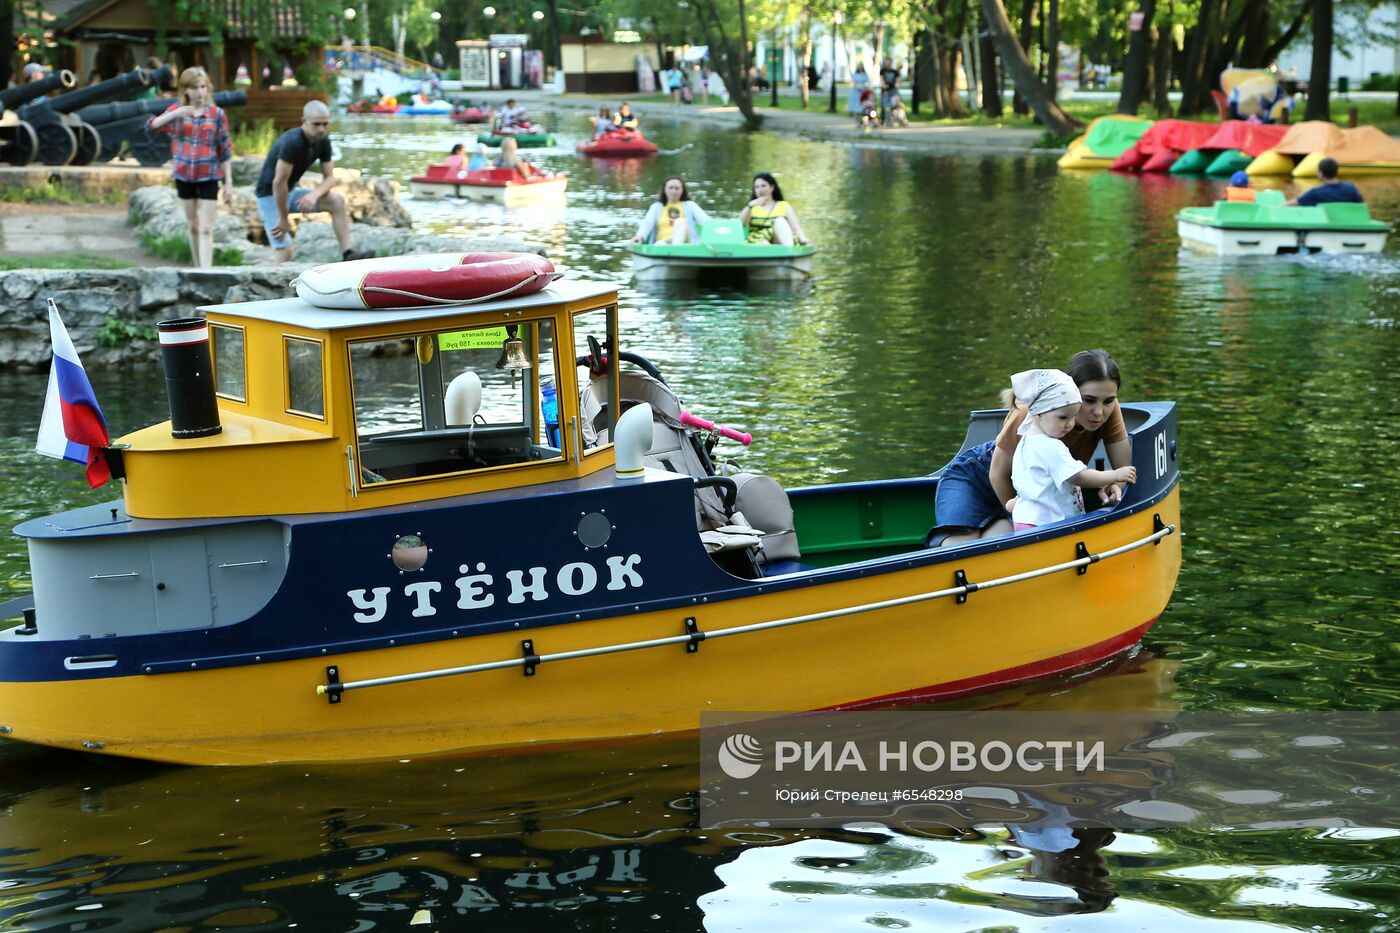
(742, 437)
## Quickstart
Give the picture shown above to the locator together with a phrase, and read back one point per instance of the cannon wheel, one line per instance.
(57, 144)
(150, 148)
(111, 148)
(89, 143)
(19, 145)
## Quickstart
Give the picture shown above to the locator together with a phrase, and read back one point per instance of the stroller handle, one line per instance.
(742, 437)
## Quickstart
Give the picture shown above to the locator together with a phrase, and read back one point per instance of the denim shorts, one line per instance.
(966, 500)
(267, 209)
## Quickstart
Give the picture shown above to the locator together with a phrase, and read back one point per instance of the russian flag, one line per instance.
(72, 427)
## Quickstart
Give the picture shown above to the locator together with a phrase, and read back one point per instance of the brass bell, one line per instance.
(513, 356)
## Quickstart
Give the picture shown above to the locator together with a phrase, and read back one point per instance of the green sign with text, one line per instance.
(482, 338)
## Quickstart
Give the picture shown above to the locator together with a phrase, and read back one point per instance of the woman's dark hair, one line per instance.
(685, 192)
(1084, 366)
(768, 177)
(605, 111)
(1093, 366)
(458, 149)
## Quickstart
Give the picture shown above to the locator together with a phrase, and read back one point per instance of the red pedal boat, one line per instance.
(618, 144)
(471, 115)
(499, 185)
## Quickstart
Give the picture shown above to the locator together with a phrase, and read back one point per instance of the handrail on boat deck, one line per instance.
(529, 660)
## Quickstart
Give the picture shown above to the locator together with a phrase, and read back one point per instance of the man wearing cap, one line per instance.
(278, 195)
(34, 72)
(1330, 191)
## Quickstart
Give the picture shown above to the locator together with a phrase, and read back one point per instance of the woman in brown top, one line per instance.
(973, 491)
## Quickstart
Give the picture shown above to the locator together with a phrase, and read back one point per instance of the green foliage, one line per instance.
(1380, 83)
(254, 138)
(52, 192)
(320, 19)
(115, 332)
(60, 261)
(177, 249)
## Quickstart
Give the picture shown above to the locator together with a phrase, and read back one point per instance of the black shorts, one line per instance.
(203, 190)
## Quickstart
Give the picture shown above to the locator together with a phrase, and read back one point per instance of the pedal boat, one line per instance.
(618, 144)
(471, 114)
(721, 249)
(496, 185)
(531, 137)
(1267, 226)
(348, 572)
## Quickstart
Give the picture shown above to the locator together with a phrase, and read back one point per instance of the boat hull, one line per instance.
(508, 195)
(651, 268)
(523, 140)
(269, 710)
(1248, 241)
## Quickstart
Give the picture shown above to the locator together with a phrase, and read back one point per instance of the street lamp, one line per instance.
(349, 13)
(489, 11)
(537, 16)
(435, 16)
(837, 20)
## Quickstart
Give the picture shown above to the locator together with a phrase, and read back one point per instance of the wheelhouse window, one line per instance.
(457, 401)
(595, 343)
(306, 394)
(230, 368)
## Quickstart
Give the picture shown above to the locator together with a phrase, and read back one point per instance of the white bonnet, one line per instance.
(1042, 390)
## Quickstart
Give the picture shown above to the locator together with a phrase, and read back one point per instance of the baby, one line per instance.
(1047, 478)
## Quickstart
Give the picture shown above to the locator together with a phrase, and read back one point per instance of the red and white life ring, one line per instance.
(424, 280)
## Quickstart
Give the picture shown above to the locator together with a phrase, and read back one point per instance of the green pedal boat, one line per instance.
(722, 248)
(1267, 226)
(523, 140)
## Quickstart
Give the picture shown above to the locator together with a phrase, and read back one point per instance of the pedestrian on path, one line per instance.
(860, 81)
(202, 155)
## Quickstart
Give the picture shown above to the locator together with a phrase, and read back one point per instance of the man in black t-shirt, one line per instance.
(288, 159)
(889, 89)
(1330, 191)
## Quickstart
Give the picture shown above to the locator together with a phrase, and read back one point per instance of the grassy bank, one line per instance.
(61, 261)
(52, 192)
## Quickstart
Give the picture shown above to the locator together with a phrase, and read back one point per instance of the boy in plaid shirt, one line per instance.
(202, 154)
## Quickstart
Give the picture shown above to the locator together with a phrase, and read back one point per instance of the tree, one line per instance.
(1023, 75)
(1139, 52)
(1320, 77)
(726, 32)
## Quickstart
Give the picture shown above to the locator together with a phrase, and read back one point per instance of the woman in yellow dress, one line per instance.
(768, 217)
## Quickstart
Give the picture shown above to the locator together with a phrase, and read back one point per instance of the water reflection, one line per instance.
(938, 276)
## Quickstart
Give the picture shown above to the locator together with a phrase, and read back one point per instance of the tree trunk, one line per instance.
(1023, 74)
(804, 56)
(1320, 77)
(7, 42)
(1027, 34)
(991, 104)
(1276, 48)
(731, 59)
(926, 83)
(1162, 71)
(1194, 83)
(1052, 48)
(952, 62)
(1136, 68)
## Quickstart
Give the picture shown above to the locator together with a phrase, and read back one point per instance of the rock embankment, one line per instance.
(111, 314)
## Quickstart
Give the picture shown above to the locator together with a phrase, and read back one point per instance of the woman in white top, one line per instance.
(673, 217)
(1046, 476)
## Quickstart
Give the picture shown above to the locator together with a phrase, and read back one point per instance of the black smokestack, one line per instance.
(189, 377)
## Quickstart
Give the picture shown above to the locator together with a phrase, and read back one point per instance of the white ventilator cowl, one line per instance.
(632, 441)
(463, 399)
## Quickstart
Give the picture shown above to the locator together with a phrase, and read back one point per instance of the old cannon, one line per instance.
(125, 122)
(63, 138)
(19, 144)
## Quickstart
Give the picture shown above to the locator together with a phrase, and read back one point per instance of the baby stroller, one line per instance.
(896, 115)
(869, 117)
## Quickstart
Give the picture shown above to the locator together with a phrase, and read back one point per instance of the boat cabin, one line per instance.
(337, 411)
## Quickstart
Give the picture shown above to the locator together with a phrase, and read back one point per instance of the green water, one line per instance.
(938, 276)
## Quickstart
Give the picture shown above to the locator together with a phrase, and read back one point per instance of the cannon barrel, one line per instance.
(111, 89)
(24, 93)
(159, 77)
(101, 114)
(149, 147)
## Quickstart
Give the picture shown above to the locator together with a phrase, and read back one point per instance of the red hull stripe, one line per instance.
(1011, 676)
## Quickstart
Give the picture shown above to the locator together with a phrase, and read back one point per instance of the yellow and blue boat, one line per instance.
(417, 532)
